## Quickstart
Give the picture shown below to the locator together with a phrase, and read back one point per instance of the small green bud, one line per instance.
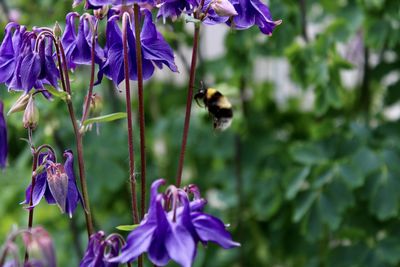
(57, 30)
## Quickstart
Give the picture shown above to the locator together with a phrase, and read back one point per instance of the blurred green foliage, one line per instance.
(316, 186)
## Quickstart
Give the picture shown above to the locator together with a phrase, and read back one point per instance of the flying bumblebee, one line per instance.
(218, 106)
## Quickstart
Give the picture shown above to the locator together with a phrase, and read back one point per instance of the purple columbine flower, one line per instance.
(173, 234)
(57, 184)
(78, 45)
(100, 249)
(94, 4)
(3, 138)
(27, 62)
(155, 50)
(174, 8)
(253, 12)
(9, 51)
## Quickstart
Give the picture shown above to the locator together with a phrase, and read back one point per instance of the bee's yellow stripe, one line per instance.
(210, 92)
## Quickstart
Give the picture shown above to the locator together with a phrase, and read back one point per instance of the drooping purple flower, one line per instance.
(253, 12)
(74, 195)
(3, 138)
(37, 242)
(27, 62)
(57, 184)
(173, 234)
(174, 8)
(100, 249)
(94, 4)
(9, 51)
(78, 45)
(155, 50)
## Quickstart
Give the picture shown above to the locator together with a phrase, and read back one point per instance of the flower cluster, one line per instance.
(100, 249)
(56, 183)
(3, 138)
(173, 233)
(239, 14)
(27, 59)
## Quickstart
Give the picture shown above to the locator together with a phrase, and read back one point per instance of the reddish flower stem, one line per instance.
(188, 103)
(92, 71)
(141, 112)
(132, 178)
(78, 136)
(34, 166)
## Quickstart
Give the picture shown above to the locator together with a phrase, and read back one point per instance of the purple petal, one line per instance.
(94, 253)
(38, 191)
(155, 47)
(180, 244)
(74, 195)
(138, 242)
(210, 228)
(157, 251)
(30, 70)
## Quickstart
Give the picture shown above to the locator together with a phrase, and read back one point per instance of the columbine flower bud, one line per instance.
(223, 8)
(20, 104)
(101, 12)
(57, 30)
(31, 114)
(57, 179)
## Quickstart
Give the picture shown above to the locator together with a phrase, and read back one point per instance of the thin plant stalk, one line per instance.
(78, 136)
(34, 166)
(140, 111)
(188, 104)
(132, 178)
(92, 72)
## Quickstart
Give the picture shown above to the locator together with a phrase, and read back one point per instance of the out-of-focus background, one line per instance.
(308, 174)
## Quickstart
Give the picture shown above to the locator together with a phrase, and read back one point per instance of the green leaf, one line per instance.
(365, 160)
(308, 153)
(303, 205)
(389, 250)
(329, 212)
(351, 175)
(106, 118)
(127, 228)
(384, 199)
(296, 183)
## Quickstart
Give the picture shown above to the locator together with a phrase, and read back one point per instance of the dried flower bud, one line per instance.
(31, 114)
(101, 12)
(57, 30)
(223, 8)
(57, 179)
(20, 104)
(40, 245)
